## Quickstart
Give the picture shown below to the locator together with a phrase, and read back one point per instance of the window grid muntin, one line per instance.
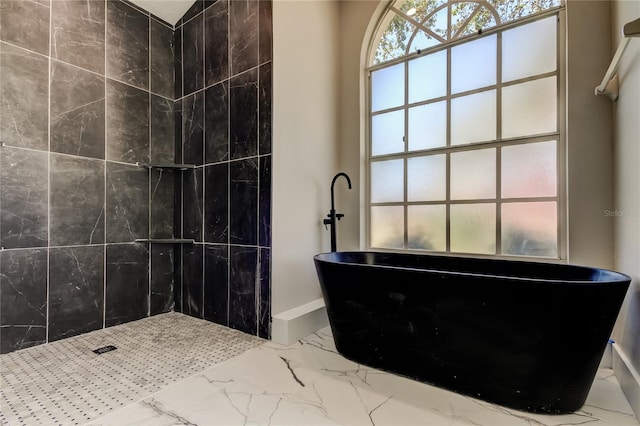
(556, 136)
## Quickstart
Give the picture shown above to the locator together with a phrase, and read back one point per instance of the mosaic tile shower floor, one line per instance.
(65, 383)
(167, 371)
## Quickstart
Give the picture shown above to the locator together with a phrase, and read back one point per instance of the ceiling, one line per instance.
(168, 10)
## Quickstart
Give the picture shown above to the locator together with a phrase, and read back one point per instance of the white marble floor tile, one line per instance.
(309, 383)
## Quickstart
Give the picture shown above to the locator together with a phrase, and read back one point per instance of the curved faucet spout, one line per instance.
(333, 182)
(332, 214)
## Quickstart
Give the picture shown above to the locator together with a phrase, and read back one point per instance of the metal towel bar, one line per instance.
(610, 85)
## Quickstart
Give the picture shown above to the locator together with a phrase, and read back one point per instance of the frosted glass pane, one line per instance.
(387, 133)
(473, 118)
(428, 126)
(473, 228)
(427, 227)
(529, 50)
(473, 64)
(473, 174)
(529, 108)
(387, 181)
(529, 170)
(426, 178)
(530, 229)
(428, 77)
(387, 226)
(387, 87)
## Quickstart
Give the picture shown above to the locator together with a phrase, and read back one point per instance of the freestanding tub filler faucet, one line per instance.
(332, 213)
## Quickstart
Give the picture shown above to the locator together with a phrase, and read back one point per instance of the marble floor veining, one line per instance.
(263, 383)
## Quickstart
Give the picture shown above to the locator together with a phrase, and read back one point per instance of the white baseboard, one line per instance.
(628, 377)
(290, 326)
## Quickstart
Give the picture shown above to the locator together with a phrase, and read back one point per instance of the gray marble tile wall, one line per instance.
(86, 90)
(223, 102)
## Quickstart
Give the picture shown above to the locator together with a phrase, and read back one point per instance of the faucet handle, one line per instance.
(339, 216)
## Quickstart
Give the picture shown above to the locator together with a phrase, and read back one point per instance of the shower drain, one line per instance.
(104, 349)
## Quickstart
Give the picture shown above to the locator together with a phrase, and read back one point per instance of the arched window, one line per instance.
(465, 134)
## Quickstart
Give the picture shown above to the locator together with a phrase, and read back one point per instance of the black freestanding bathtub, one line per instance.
(524, 335)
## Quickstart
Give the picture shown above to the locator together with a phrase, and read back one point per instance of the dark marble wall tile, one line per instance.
(216, 284)
(178, 184)
(162, 130)
(24, 198)
(178, 139)
(243, 35)
(193, 128)
(264, 108)
(216, 204)
(193, 55)
(162, 278)
(16, 337)
(162, 59)
(192, 199)
(217, 123)
(23, 299)
(266, 30)
(264, 299)
(177, 278)
(244, 115)
(77, 111)
(127, 203)
(127, 123)
(264, 204)
(216, 33)
(162, 200)
(127, 283)
(243, 202)
(77, 33)
(24, 94)
(25, 24)
(243, 272)
(76, 290)
(77, 201)
(177, 45)
(127, 45)
(192, 265)
(197, 7)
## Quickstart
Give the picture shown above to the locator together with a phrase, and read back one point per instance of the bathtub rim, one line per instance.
(607, 276)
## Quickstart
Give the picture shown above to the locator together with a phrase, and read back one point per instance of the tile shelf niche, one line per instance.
(162, 166)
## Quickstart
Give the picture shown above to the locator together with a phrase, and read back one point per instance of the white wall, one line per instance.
(589, 134)
(627, 177)
(305, 140)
